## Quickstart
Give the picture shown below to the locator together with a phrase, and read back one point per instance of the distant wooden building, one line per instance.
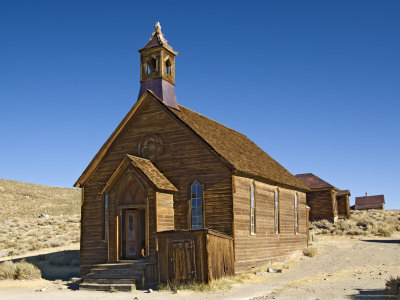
(175, 196)
(325, 200)
(370, 202)
(343, 203)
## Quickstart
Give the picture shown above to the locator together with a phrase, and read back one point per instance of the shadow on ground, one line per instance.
(62, 265)
(371, 294)
(383, 241)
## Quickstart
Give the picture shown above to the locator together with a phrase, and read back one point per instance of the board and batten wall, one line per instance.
(265, 246)
(184, 158)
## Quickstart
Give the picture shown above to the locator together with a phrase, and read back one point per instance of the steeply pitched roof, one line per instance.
(313, 182)
(237, 149)
(146, 167)
(234, 148)
(375, 201)
(157, 39)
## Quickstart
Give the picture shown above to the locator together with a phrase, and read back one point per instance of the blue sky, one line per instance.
(316, 84)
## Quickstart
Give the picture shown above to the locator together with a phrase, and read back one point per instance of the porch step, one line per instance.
(110, 281)
(124, 276)
(122, 287)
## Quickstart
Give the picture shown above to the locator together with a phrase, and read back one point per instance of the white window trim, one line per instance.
(276, 212)
(252, 209)
(296, 213)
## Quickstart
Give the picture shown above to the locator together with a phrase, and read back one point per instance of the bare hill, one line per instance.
(21, 199)
(21, 229)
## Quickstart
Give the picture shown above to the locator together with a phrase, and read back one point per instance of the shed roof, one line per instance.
(146, 167)
(313, 181)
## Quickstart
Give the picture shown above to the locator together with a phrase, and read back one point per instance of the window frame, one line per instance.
(202, 206)
(277, 227)
(252, 209)
(296, 213)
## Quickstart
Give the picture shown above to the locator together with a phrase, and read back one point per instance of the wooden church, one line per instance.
(174, 196)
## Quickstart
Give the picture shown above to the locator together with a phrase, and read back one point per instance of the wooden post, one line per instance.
(117, 237)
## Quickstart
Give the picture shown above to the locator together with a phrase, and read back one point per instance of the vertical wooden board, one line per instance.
(266, 246)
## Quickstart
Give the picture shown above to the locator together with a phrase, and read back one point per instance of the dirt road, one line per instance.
(343, 269)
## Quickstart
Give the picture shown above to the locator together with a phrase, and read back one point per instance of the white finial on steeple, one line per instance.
(158, 27)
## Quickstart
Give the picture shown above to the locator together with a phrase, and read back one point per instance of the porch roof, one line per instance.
(145, 167)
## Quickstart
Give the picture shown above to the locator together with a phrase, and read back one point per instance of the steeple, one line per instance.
(157, 68)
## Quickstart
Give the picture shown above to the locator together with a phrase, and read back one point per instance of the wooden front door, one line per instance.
(182, 259)
(132, 234)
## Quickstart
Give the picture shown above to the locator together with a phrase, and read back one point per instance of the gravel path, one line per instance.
(343, 269)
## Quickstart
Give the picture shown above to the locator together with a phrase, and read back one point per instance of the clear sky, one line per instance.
(316, 84)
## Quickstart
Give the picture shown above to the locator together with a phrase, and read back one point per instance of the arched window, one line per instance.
(196, 203)
(152, 65)
(168, 67)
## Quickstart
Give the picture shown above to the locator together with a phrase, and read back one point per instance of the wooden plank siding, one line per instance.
(265, 246)
(184, 158)
(322, 204)
(343, 206)
(210, 251)
(165, 211)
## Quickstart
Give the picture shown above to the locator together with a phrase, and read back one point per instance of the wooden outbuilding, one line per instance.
(370, 202)
(174, 196)
(323, 199)
(343, 203)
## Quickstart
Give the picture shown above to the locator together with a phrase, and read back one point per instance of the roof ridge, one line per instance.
(213, 120)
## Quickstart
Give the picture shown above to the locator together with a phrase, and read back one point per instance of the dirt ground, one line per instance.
(344, 268)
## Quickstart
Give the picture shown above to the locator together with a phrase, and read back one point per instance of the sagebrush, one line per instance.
(365, 222)
(19, 270)
(392, 286)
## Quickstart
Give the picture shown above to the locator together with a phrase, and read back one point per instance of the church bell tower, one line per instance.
(157, 68)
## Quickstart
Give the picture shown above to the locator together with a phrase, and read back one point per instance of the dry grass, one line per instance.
(19, 270)
(19, 236)
(310, 251)
(20, 199)
(393, 286)
(22, 231)
(365, 222)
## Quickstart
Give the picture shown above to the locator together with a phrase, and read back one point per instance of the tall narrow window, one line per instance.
(252, 209)
(276, 212)
(105, 217)
(296, 215)
(197, 206)
(168, 67)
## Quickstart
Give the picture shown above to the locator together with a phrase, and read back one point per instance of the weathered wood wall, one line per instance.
(265, 246)
(343, 206)
(322, 205)
(165, 211)
(196, 255)
(183, 159)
